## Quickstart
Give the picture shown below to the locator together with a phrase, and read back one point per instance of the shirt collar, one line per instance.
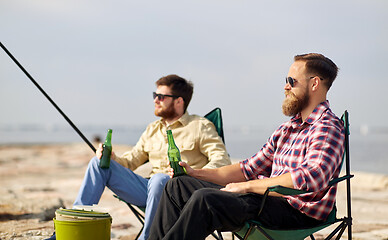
(313, 117)
(183, 120)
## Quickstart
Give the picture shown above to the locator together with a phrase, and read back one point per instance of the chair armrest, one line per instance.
(291, 191)
(340, 179)
(285, 190)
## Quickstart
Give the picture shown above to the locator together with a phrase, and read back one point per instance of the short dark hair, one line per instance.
(320, 65)
(179, 87)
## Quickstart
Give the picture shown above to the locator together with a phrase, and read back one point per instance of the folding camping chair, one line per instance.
(216, 118)
(254, 230)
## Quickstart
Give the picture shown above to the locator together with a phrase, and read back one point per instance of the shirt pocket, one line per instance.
(187, 146)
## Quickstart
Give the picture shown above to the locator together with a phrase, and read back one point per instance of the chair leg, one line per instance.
(220, 235)
(237, 236)
(217, 237)
(248, 232)
(342, 231)
(138, 235)
(332, 234)
(349, 223)
(136, 213)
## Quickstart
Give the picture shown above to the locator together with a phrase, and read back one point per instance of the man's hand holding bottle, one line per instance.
(99, 153)
(189, 170)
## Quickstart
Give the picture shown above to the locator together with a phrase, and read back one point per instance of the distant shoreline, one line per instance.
(126, 146)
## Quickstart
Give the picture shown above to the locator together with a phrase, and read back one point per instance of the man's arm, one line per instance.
(259, 186)
(221, 176)
(134, 157)
(233, 179)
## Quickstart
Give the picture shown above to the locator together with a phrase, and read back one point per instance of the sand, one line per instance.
(38, 179)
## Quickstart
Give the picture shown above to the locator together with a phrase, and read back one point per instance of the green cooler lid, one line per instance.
(82, 213)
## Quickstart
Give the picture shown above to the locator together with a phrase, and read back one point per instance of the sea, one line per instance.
(367, 144)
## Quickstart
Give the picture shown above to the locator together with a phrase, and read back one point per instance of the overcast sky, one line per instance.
(99, 60)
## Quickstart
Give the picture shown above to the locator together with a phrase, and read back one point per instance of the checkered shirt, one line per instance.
(311, 151)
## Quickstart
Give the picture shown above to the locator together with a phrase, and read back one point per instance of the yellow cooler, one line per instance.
(72, 224)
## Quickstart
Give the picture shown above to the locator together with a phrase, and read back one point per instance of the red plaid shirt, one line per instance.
(311, 151)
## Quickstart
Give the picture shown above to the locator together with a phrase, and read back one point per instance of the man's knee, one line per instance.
(208, 195)
(157, 182)
(159, 177)
(94, 162)
(176, 181)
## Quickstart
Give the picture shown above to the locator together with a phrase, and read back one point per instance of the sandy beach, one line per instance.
(38, 179)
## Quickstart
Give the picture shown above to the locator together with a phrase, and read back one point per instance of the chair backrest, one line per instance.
(348, 218)
(345, 156)
(216, 118)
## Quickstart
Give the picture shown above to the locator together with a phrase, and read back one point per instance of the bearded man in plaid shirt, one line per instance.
(303, 153)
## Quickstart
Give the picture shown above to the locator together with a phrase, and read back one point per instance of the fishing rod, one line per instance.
(48, 97)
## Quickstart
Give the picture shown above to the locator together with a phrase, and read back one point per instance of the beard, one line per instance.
(166, 113)
(293, 105)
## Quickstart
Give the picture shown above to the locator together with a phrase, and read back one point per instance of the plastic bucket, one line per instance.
(82, 225)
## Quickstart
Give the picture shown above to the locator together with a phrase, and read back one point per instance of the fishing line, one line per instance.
(48, 97)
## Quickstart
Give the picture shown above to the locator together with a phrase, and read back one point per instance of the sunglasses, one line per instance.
(162, 96)
(291, 81)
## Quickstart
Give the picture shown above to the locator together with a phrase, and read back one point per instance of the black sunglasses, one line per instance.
(162, 96)
(291, 81)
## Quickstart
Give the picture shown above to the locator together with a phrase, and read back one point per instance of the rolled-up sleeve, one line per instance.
(259, 166)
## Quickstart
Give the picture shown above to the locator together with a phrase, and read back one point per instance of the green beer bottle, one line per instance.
(174, 156)
(106, 150)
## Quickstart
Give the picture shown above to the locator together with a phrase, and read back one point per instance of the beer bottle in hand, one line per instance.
(106, 150)
(174, 155)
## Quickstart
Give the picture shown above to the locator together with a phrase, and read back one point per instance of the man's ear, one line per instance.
(316, 83)
(180, 101)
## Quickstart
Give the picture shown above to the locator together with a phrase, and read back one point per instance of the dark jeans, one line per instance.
(193, 209)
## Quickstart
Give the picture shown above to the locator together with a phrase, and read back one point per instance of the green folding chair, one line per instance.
(254, 230)
(216, 118)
